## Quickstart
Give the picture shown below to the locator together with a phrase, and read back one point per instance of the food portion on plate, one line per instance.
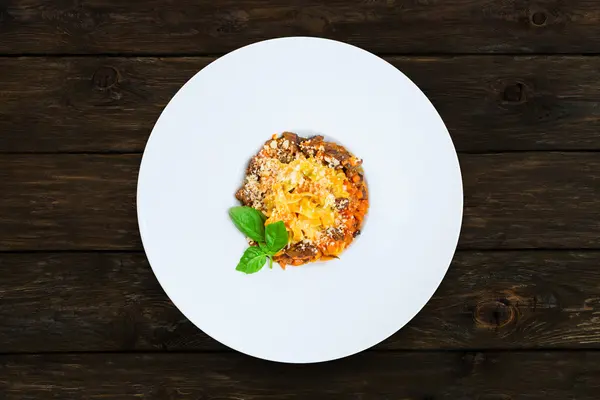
(313, 188)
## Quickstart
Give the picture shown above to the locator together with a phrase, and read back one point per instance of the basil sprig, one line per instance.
(271, 239)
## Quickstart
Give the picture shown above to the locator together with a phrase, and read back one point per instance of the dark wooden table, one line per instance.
(82, 83)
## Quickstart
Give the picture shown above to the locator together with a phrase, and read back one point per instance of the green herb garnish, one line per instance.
(276, 237)
(249, 221)
(271, 239)
(252, 261)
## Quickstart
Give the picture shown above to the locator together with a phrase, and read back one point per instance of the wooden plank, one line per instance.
(107, 104)
(68, 202)
(88, 302)
(389, 26)
(410, 376)
(83, 104)
(87, 202)
(530, 200)
(112, 302)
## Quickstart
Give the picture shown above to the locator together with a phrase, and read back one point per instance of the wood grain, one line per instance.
(531, 200)
(87, 202)
(68, 202)
(110, 104)
(112, 302)
(406, 376)
(389, 26)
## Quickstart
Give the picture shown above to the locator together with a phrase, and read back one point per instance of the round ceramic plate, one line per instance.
(195, 161)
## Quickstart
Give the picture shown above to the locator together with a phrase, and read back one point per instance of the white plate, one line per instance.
(195, 160)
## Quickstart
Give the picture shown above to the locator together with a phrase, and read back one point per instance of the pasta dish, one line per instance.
(317, 188)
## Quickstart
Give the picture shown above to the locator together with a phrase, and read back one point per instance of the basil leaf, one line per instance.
(269, 254)
(249, 221)
(252, 260)
(276, 237)
(264, 248)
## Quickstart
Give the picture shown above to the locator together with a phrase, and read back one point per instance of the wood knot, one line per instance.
(494, 314)
(539, 18)
(105, 77)
(514, 93)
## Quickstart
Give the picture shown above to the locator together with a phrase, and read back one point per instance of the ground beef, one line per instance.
(335, 233)
(334, 155)
(301, 251)
(253, 167)
(316, 139)
(341, 203)
(350, 170)
(244, 197)
(284, 148)
(311, 145)
(292, 137)
(336, 152)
